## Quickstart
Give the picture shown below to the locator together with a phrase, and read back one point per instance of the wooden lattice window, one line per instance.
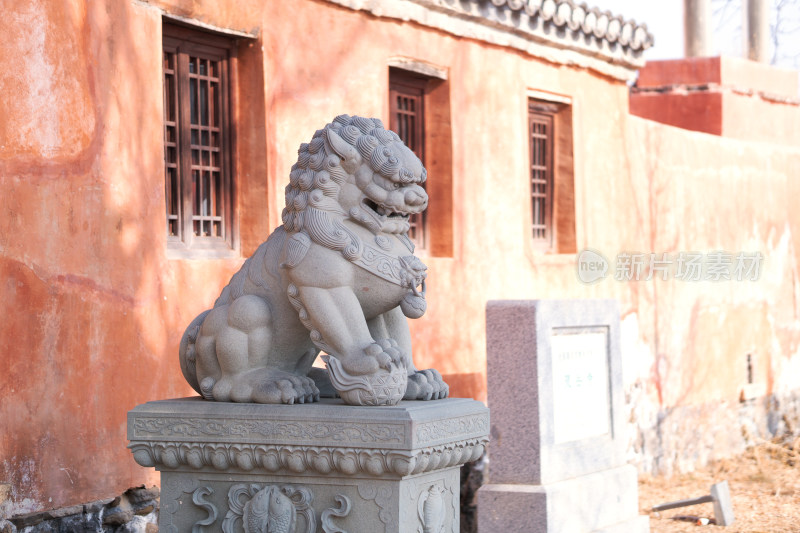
(407, 119)
(540, 131)
(197, 139)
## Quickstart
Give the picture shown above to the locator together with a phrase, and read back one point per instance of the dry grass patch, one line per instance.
(765, 490)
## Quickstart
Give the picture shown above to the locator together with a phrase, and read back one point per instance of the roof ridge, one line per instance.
(592, 21)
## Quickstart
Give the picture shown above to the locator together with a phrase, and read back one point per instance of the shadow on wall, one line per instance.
(93, 307)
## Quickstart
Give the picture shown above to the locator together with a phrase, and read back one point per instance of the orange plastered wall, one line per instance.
(95, 310)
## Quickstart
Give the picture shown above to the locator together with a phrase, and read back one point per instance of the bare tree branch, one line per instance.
(784, 28)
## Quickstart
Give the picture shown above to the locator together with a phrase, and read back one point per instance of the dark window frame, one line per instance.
(411, 87)
(541, 145)
(183, 221)
(555, 167)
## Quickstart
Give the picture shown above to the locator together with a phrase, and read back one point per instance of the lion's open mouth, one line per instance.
(382, 210)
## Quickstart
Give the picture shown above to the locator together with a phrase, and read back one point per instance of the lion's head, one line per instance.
(353, 168)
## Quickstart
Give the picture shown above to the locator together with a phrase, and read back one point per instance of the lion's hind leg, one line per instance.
(187, 352)
(234, 346)
(270, 385)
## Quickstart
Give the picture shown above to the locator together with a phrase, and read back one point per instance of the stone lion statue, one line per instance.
(338, 276)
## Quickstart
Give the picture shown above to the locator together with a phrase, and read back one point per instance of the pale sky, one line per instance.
(664, 19)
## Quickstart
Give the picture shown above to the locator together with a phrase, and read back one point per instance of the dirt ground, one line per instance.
(764, 485)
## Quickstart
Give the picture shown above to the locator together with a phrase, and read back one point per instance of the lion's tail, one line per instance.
(187, 352)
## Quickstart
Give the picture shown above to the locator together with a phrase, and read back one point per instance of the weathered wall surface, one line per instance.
(705, 193)
(95, 310)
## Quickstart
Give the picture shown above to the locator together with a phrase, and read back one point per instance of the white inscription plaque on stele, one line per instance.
(581, 402)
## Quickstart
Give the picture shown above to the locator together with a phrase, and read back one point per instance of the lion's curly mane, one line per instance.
(315, 180)
(312, 197)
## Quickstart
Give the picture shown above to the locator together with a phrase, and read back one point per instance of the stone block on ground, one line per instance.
(589, 503)
(557, 452)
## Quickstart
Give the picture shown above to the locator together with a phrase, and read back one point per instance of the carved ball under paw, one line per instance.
(380, 388)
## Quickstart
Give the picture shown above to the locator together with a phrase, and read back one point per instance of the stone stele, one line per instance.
(554, 376)
(323, 466)
(338, 276)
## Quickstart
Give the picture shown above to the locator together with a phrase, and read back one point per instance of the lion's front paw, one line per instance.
(386, 352)
(426, 385)
(383, 354)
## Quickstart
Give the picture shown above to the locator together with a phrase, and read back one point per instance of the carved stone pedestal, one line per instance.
(304, 468)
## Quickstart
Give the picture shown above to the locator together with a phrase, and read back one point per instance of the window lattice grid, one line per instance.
(406, 96)
(171, 159)
(541, 154)
(408, 124)
(206, 137)
(197, 160)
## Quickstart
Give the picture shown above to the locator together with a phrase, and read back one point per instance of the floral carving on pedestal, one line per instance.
(447, 429)
(198, 498)
(382, 496)
(244, 429)
(268, 509)
(302, 459)
(171, 494)
(327, 515)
